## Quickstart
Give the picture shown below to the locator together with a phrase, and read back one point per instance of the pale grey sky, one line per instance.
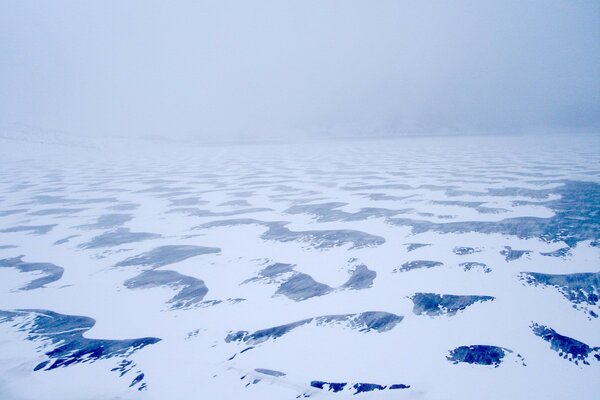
(275, 69)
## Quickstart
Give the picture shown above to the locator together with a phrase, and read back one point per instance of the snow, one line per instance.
(114, 215)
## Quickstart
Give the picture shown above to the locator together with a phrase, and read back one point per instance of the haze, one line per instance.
(279, 70)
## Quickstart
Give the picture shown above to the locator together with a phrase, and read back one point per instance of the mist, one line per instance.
(239, 71)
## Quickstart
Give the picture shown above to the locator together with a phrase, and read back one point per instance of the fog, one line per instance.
(284, 70)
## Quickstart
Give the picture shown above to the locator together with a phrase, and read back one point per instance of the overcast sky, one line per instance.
(276, 69)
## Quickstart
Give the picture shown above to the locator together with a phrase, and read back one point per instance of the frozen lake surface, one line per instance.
(426, 268)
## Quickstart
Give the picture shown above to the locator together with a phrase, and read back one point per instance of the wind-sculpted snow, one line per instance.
(191, 290)
(320, 239)
(63, 334)
(297, 244)
(582, 289)
(165, 255)
(50, 272)
(118, 237)
(433, 305)
(364, 322)
(566, 347)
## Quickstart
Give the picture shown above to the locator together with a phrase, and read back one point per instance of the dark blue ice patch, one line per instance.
(50, 272)
(367, 387)
(276, 269)
(165, 189)
(400, 186)
(320, 239)
(196, 212)
(575, 218)
(327, 212)
(581, 289)
(503, 192)
(265, 334)
(461, 251)
(566, 347)
(396, 386)
(562, 252)
(362, 278)
(364, 322)
(301, 287)
(137, 380)
(64, 335)
(467, 204)
(108, 221)
(468, 266)
(384, 197)
(407, 266)
(191, 290)
(478, 354)
(48, 199)
(165, 255)
(124, 207)
(272, 271)
(414, 246)
(511, 255)
(433, 304)
(11, 212)
(188, 201)
(330, 386)
(57, 211)
(118, 237)
(270, 372)
(36, 230)
(491, 210)
(235, 203)
(124, 367)
(298, 286)
(64, 240)
(359, 387)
